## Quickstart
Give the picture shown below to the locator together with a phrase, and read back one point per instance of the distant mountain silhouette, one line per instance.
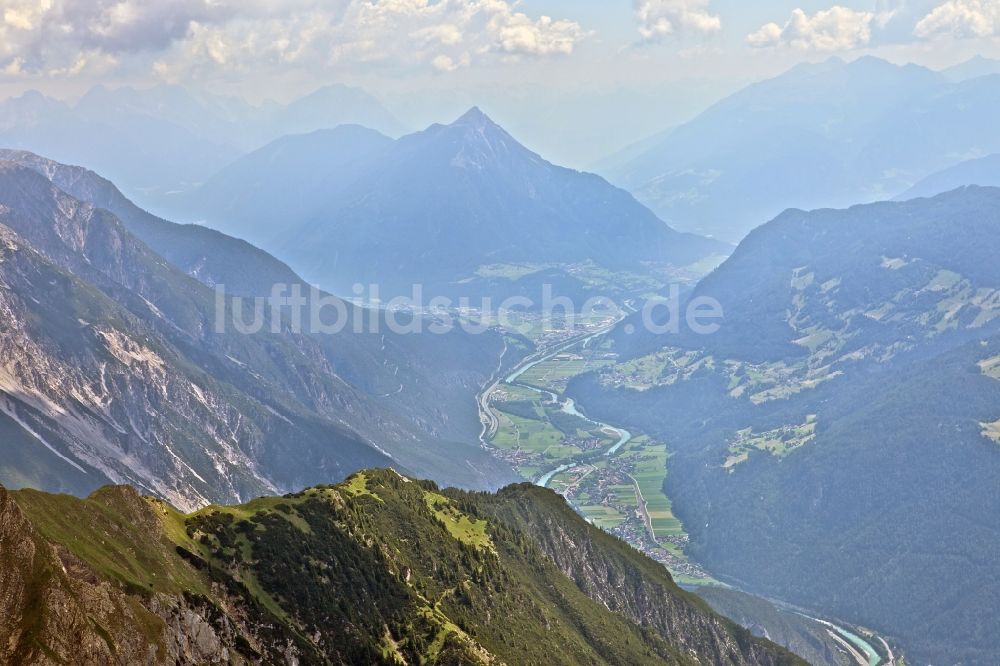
(110, 320)
(158, 140)
(984, 171)
(433, 207)
(821, 135)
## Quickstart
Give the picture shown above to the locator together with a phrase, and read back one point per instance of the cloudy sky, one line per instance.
(432, 55)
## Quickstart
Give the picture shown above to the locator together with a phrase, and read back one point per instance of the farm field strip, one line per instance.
(542, 434)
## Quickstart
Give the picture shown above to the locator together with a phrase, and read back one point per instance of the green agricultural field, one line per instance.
(511, 272)
(526, 409)
(795, 385)
(555, 373)
(576, 426)
(944, 281)
(660, 368)
(779, 442)
(514, 392)
(991, 367)
(604, 517)
(815, 338)
(991, 431)
(624, 495)
(774, 381)
(650, 470)
(533, 436)
(598, 277)
(705, 266)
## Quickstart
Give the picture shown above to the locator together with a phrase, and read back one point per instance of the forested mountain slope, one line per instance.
(836, 441)
(377, 570)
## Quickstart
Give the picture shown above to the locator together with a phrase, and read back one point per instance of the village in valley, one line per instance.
(612, 477)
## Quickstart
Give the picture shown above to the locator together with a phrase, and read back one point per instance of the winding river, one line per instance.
(567, 405)
(866, 651)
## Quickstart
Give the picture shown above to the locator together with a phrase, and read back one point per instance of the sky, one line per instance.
(643, 64)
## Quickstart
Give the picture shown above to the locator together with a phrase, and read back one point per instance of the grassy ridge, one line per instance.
(378, 569)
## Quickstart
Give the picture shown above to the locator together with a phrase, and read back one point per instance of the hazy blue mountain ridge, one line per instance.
(405, 393)
(821, 135)
(983, 171)
(434, 207)
(156, 141)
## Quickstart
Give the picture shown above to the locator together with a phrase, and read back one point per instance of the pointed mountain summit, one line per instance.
(477, 127)
(475, 121)
(476, 118)
(439, 207)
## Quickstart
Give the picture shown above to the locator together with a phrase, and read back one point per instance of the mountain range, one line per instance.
(972, 68)
(455, 207)
(112, 372)
(983, 171)
(157, 140)
(113, 369)
(832, 134)
(835, 442)
(832, 450)
(380, 569)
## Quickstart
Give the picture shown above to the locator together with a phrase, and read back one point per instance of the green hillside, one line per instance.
(834, 445)
(378, 569)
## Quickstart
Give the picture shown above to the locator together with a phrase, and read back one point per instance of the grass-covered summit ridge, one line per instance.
(377, 569)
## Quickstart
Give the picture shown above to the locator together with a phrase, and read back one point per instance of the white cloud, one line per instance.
(445, 34)
(444, 63)
(63, 38)
(835, 29)
(184, 36)
(659, 19)
(961, 18)
(516, 33)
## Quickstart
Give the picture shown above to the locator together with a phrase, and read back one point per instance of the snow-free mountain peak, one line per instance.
(474, 117)
(434, 208)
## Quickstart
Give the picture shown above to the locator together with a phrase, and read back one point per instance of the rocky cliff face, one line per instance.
(380, 569)
(59, 614)
(112, 370)
(59, 608)
(99, 387)
(607, 571)
(210, 256)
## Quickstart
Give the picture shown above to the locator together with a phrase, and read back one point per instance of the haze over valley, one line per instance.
(491, 332)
